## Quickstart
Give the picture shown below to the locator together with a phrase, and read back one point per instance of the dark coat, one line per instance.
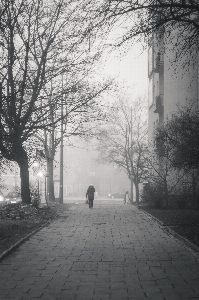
(90, 192)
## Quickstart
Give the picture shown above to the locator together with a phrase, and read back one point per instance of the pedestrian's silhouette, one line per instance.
(126, 198)
(90, 195)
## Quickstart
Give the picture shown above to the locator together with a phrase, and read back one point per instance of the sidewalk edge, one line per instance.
(171, 231)
(152, 217)
(180, 237)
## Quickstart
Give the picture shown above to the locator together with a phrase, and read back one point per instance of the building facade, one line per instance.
(173, 78)
(173, 74)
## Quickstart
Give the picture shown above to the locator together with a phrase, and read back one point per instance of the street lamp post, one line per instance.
(131, 158)
(42, 201)
(0, 100)
(46, 192)
(61, 151)
(39, 175)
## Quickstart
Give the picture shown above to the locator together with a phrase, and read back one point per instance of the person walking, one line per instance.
(126, 198)
(90, 195)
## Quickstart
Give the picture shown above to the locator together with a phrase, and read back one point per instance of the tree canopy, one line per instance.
(40, 41)
(143, 17)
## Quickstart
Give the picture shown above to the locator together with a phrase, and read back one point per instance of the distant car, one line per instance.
(13, 197)
(116, 195)
(2, 200)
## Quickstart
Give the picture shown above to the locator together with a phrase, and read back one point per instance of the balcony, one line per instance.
(159, 63)
(159, 104)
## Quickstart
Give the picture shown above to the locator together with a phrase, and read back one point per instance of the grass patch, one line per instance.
(17, 221)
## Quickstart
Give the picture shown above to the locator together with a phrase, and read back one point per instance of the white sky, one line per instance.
(131, 67)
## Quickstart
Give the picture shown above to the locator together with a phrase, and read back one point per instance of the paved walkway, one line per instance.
(109, 252)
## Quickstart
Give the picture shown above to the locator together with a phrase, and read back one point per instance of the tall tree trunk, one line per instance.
(137, 192)
(194, 188)
(49, 146)
(166, 193)
(50, 182)
(24, 174)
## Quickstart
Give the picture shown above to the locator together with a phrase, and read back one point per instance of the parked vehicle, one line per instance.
(13, 197)
(2, 200)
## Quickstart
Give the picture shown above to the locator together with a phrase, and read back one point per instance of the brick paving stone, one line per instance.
(5, 285)
(89, 277)
(80, 297)
(57, 297)
(17, 277)
(170, 293)
(147, 283)
(14, 297)
(137, 298)
(84, 293)
(53, 285)
(5, 291)
(75, 277)
(102, 290)
(189, 292)
(37, 281)
(132, 279)
(153, 294)
(157, 297)
(118, 286)
(173, 296)
(135, 292)
(48, 296)
(102, 296)
(21, 287)
(102, 283)
(35, 292)
(194, 284)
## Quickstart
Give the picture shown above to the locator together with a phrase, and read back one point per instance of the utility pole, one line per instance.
(131, 156)
(0, 101)
(61, 149)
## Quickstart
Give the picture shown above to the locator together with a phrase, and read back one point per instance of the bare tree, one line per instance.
(40, 40)
(79, 120)
(124, 139)
(143, 17)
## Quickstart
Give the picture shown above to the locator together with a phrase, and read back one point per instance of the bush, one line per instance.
(182, 201)
(35, 202)
(153, 195)
(35, 199)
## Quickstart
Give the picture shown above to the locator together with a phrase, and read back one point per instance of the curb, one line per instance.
(17, 244)
(180, 237)
(171, 231)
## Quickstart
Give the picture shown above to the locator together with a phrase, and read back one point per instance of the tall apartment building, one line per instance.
(173, 78)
